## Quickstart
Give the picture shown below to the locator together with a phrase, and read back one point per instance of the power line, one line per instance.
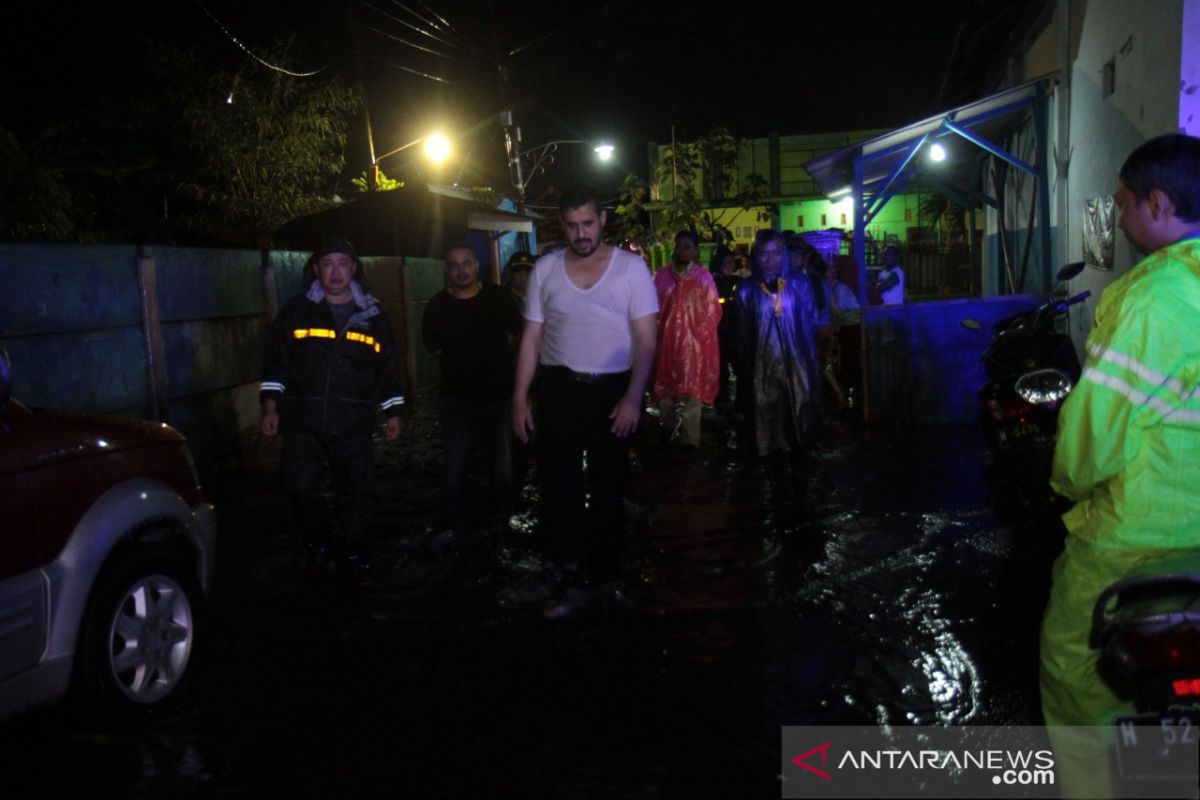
(416, 72)
(422, 31)
(422, 48)
(254, 55)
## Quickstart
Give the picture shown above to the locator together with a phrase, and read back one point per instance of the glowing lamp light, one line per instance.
(437, 148)
(603, 151)
(1187, 687)
(937, 152)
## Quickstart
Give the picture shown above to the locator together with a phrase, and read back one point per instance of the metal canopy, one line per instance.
(498, 221)
(875, 170)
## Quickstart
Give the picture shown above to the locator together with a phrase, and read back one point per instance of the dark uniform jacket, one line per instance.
(329, 381)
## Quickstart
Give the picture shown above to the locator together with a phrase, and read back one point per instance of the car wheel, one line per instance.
(140, 632)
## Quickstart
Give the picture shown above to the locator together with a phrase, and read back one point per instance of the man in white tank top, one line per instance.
(590, 322)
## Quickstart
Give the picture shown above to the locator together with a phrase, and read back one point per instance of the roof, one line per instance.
(888, 159)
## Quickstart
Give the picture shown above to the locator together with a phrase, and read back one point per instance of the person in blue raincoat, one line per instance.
(777, 361)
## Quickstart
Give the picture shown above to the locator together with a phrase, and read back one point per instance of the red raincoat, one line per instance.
(688, 360)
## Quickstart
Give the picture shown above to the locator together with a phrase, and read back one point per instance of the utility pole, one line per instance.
(373, 172)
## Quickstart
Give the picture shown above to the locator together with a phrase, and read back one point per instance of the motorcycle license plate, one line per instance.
(1018, 432)
(1158, 745)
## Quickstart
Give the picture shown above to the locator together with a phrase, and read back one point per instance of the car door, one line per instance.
(22, 585)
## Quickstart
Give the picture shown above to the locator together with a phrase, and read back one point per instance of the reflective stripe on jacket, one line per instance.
(329, 381)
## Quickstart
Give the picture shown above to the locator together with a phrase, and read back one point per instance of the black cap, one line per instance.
(334, 244)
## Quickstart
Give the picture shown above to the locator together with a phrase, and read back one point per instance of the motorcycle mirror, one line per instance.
(1069, 271)
(972, 324)
(5, 376)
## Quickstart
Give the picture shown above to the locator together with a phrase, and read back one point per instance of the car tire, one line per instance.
(138, 642)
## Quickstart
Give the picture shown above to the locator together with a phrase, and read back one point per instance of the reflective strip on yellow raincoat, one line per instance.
(1128, 453)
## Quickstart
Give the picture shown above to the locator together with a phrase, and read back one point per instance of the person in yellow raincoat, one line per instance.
(1128, 447)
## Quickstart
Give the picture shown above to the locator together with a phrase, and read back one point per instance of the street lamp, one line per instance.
(437, 149)
(523, 165)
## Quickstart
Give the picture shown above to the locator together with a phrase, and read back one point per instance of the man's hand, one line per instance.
(394, 426)
(625, 416)
(522, 419)
(269, 424)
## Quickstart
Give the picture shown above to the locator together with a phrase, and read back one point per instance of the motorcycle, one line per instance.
(1031, 367)
(1147, 629)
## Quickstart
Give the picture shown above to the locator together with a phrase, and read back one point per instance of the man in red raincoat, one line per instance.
(687, 365)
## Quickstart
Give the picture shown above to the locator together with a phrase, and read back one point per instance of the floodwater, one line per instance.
(893, 597)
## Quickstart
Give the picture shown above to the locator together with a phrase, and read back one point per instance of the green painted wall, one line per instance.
(897, 216)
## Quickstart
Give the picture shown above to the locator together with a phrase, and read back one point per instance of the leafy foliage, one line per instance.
(35, 205)
(703, 174)
(633, 220)
(939, 212)
(383, 184)
(259, 155)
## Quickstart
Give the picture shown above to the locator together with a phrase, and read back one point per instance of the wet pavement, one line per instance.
(893, 597)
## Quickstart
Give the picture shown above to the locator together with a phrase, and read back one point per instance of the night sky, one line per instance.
(624, 71)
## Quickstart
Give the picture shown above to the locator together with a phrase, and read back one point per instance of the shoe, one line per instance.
(559, 608)
(616, 594)
(356, 570)
(567, 603)
(443, 540)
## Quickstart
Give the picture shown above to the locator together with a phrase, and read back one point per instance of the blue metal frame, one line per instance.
(903, 172)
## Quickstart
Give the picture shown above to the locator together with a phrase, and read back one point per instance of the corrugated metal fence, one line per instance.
(172, 333)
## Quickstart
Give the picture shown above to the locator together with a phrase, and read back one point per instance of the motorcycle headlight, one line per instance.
(1044, 387)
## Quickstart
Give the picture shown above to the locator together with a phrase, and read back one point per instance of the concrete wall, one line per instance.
(1189, 69)
(1150, 47)
(1145, 50)
(174, 334)
(922, 365)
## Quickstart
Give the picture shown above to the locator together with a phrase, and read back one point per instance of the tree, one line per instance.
(633, 220)
(704, 186)
(254, 157)
(35, 205)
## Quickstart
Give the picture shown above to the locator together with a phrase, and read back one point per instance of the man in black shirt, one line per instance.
(470, 326)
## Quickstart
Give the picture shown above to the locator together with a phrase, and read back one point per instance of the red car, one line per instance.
(106, 556)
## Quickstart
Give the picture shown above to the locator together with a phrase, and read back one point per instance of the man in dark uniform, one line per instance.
(330, 362)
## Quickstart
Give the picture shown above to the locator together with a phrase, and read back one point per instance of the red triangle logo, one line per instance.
(800, 760)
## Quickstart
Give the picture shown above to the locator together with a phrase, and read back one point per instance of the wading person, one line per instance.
(1128, 447)
(470, 327)
(330, 366)
(778, 383)
(590, 322)
(520, 266)
(724, 271)
(688, 361)
(891, 278)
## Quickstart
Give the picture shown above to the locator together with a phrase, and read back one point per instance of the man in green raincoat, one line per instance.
(1129, 434)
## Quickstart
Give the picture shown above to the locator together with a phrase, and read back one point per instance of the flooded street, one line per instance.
(892, 597)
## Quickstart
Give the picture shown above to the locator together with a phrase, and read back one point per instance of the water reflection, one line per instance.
(869, 607)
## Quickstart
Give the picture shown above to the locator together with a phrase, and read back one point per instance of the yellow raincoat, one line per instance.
(1129, 453)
